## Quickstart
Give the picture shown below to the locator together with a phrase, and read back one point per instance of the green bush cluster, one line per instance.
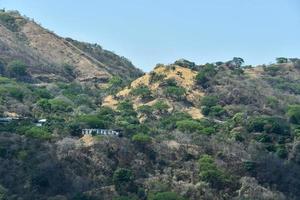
(268, 124)
(210, 107)
(209, 172)
(190, 125)
(142, 91)
(294, 114)
(123, 180)
(206, 73)
(39, 133)
(165, 196)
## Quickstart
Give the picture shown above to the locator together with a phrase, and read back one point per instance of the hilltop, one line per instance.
(48, 57)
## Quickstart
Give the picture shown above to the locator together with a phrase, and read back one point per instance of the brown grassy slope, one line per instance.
(184, 77)
(46, 53)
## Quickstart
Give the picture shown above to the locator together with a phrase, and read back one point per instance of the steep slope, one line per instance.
(50, 57)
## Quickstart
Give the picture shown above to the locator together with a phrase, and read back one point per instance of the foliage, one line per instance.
(294, 114)
(269, 125)
(141, 139)
(176, 92)
(39, 133)
(123, 180)
(17, 68)
(166, 196)
(143, 91)
(210, 107)
(155, 77)
(8, 21)
(209, 172)
(206, 73)
(281, 60)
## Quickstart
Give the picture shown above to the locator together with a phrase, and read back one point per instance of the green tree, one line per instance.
(209, 172)
(143, 91)
(123, 180)
(39, 133)
(294, 114)
(141, 139)
(17, 68)
(166, 196)
(281, 60)
(176, 92)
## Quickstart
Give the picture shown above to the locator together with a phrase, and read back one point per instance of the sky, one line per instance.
(148, 32)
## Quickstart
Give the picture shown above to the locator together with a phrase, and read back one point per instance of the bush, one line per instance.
(210, 107)
(175, 92)
(8, 21)
(141, 139)
(123, 181)
(268, 125)
(16, 92)
(39, 133)
(145, 109)
(189, 125)
(294, 114)
(209, 172)
(60, 105)
(206, 73)
(17, 69)
(166, 196)
(142, 91)
(281, 60)
(155, 77)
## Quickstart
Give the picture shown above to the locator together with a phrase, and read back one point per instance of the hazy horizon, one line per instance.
(152, 32)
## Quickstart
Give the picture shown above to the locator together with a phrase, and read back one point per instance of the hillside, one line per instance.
(214, 131)
(185, 131)
(48, 57)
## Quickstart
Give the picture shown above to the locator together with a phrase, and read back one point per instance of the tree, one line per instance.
(238, 62)
(209, 172)
(17, 69)
(166, 196)
(175, 92)
(143, 91)
(123, 181)
(294, 114)
(281, 60)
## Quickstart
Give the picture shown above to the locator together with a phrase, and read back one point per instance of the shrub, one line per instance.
(8, 21)
(39, 133)
(161, 106)
(44, 105)
(16, 92)
(60, 105)
(166, 196)
(145, 109)
(142, 91)
(123, 180)
(141, 139)
(209, 172)
(206, 73)
(176, 92)
(210, 107)
(42, 93)
(281, 60)
(268, 125)
(209, 101)
(155, 77)
(17, 68)
(189, 125)
(281, 151)
(294, 114)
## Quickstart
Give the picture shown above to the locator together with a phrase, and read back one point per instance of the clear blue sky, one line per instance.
(162, 31)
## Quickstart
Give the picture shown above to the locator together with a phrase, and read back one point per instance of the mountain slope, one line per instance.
(50, 57)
